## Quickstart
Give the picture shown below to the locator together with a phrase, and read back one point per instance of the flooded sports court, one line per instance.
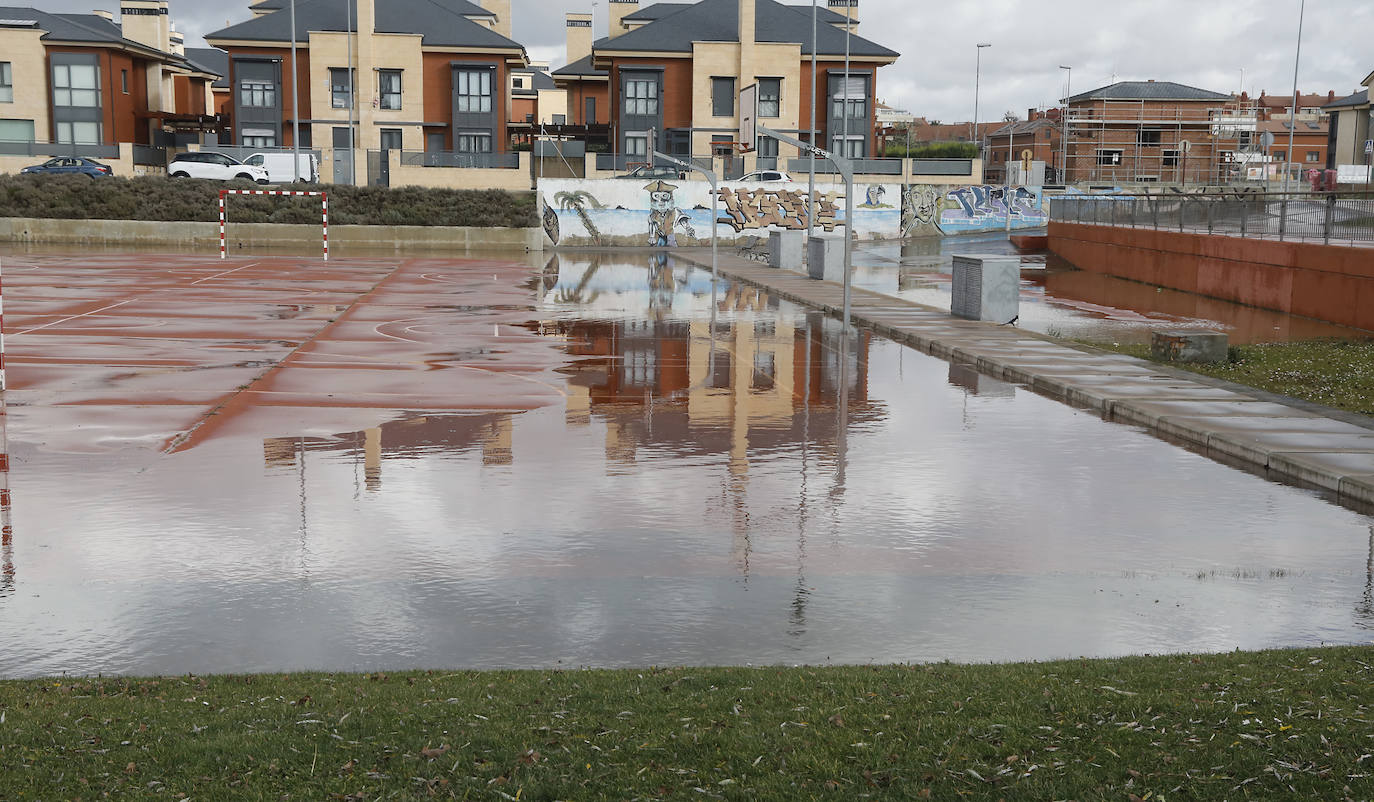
(276, 463)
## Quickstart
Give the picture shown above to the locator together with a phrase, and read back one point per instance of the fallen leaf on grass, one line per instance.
(431, 754)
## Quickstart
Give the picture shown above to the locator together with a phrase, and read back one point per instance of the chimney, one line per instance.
(579, 36)
(103, 14)
(164, 27)
(142, 21)
(619, 10)
(747, 21)
(501, 8)
(1032, 115)
(848, 8)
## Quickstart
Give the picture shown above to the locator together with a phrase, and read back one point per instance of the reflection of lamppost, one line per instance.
(977, 79)
(1068, 93)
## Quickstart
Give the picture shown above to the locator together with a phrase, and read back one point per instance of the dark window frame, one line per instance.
(389, 99)
(722, 96)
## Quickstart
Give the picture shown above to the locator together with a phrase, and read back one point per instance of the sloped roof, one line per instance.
(441, 23)
(581, 68)
(1025, 127)
(655, 11)
(1150, 90)
(464, 7)
(718, 21)
(211, 60)
(85, 28)
(1303, 127)
(1357, 99)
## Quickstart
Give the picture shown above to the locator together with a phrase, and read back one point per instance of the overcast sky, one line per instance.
(1205, 44)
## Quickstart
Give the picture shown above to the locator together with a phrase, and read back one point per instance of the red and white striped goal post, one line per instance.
(324, 211)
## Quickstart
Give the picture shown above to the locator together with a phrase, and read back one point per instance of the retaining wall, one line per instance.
(1326, 282)
(266, 235)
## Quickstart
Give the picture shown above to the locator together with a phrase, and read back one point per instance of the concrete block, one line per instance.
(785, 249)
(1190, 346)
(825, 257)
(987, 287)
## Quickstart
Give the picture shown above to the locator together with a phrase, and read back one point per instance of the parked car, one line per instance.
(215, 166)
(766, 176)
(650, 173)
(67, 165)
(278, 167)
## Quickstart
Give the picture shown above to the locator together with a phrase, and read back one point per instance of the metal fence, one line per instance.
(58, 149)
(1334, 218)
(470, 161)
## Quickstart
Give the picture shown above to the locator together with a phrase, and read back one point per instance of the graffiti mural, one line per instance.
(942, 210)
(623, 213)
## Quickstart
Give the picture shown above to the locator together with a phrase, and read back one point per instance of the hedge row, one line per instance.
(192, 200)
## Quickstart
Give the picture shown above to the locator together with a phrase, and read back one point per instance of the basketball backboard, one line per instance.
(748, 117)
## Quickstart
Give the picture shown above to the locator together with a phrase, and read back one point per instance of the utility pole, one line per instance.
(1293, 112)
(811, 183)
(295, 104)
(977, 79)
(1011, 153)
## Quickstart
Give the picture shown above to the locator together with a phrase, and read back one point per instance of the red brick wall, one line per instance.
(1326, 282)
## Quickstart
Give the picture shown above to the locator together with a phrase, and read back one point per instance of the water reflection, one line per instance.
(727, 479)
(6, 513)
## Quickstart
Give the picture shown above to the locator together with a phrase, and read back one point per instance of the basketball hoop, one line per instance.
(748, 117)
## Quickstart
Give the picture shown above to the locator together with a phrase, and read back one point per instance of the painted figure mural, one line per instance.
(665, 217)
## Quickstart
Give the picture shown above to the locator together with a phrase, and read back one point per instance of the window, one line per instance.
(1108, 157)
(1314, 156)
(1171, 158)
(472, 143)
(340, 88)
(391, 139)
(78, 133)
(259, 138)
(257, 94)
(474, 92)
(851, 94)
(851, 147)
(1148, 139)
(641, 98)
(770, 97)
(517, 83)
(389, 88)
(124, 80)
(636, 144)
(6, 83)
(76, 85)
(723, 97)
(16, 130)
(767, 147)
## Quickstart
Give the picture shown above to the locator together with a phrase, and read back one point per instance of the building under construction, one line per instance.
(1148, 131)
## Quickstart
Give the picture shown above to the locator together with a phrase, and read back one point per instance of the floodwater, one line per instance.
(1061, 301)
(619, 463)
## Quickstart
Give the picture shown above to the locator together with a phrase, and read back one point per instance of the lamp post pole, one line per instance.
(977, 80)
(811, 182)
(1068, 93)
(295, 104)
(1293, 112)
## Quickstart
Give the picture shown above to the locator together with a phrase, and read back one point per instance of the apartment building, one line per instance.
(1146, 131)
(431, 77)
(1041, 133)
(1350, 134)
(85, 80)
(676, 69)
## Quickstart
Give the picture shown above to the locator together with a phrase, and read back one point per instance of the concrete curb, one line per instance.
(266, 235)
(1280, 438)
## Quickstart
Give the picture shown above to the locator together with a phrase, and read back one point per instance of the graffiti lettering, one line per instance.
(760, 208)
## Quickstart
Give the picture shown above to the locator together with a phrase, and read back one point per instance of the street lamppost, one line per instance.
(1293, 112)
(977, 79)
(1068, 93)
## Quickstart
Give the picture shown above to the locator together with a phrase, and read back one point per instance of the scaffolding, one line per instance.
(1160, 141)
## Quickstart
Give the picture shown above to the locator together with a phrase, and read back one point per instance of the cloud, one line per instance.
(1205, 45)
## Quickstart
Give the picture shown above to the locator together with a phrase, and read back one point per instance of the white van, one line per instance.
(278, 167)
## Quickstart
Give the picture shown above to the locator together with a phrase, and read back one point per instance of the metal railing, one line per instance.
(624, 162)
(58, 149)
(1330, 217)
(467, 161)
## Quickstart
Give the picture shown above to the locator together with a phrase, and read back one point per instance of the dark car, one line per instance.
(650, 173)
(67, 165)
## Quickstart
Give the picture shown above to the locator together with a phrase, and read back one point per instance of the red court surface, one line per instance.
(166, 351)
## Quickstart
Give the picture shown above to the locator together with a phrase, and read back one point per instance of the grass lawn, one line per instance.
(1337, 373)
(1284, 724)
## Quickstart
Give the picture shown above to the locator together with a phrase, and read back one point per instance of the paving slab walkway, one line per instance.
(1288, 439)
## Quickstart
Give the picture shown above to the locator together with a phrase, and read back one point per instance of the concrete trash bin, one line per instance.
(785, 249)
(825, 257)
(987, 287)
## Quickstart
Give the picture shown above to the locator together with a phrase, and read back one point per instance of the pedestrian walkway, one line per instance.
(1289, 440)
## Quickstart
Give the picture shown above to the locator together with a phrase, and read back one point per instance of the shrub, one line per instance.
(160, 199)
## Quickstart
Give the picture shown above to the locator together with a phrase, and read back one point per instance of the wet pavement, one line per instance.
(274, 464)
(1061, 301)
